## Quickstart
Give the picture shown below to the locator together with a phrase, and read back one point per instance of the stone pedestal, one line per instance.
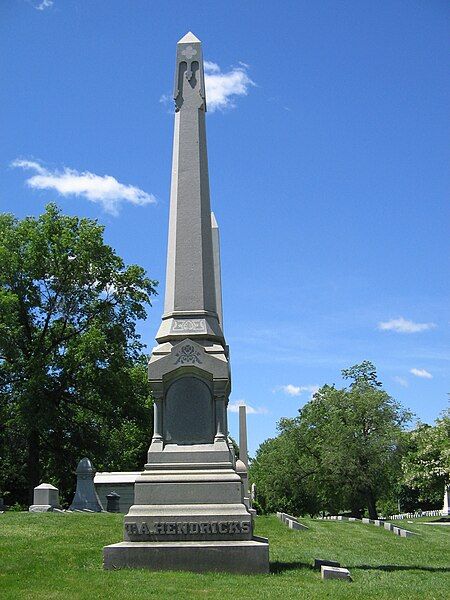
(45, 498)
(249, 557)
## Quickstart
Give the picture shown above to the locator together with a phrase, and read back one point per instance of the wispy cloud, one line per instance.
(402, 325)
(401, 381)
(43, 5)
(421, 373)
(296, 390)
(251, 410)
(101, 189)
(222, 87)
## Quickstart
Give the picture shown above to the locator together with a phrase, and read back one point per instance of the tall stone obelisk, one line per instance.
(189, 510)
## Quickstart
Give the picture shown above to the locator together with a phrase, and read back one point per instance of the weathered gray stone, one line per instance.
(335, 573)
(353, 519)
(250, 556)
(189, 509)
(45, 498)
(320, 562)
(367, 521)
(86, 498)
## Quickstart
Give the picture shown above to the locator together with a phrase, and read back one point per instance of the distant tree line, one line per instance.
(348, 451)
(72, 371)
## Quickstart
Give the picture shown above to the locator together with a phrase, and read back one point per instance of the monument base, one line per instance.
(249, 556)
(38, 508)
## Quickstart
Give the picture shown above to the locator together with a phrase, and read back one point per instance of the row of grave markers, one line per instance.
(290, 521)
(377, 522)
(417, 515)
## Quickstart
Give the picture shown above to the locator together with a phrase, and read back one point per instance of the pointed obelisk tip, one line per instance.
(189, 38)
(214, 221)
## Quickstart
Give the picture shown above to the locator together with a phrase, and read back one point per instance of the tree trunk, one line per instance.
(33, 462)
(371, 504)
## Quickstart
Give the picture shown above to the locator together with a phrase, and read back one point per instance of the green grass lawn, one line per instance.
(60, 556)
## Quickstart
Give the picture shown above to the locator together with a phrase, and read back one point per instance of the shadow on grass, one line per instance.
(389, 568)
(280, 567)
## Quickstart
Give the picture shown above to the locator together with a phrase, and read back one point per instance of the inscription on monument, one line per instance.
(187, 528)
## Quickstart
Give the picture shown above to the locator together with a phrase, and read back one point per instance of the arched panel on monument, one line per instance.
(192, 426)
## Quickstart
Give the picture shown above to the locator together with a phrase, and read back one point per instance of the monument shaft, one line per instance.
(189, 511)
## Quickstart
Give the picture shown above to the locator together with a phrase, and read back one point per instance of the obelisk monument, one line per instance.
(189, 511)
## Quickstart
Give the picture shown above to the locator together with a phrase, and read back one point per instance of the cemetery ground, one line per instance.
(59, 556)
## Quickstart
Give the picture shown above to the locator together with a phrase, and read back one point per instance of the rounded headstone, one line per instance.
(112, 502)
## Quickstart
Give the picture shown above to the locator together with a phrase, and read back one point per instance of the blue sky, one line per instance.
(328, 147)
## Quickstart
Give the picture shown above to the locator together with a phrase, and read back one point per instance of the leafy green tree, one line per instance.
(426, 466)
(282, 474)
(72, 376)
(342, 452)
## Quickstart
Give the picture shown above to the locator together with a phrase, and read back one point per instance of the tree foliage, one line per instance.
(340, 453)
(72, 376)
(426, 465)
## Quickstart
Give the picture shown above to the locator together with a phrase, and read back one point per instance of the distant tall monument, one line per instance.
(189, 510)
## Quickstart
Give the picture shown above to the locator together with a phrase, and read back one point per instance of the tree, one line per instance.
(71, 370)
(341, 453)
(282, 474)
(426, 466)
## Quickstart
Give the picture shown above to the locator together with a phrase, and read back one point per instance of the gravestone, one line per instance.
(335, 573)
(45, 498)
(112, 502)
(86, 497)
(189, 511)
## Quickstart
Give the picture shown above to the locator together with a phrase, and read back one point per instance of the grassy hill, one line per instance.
(59, 556)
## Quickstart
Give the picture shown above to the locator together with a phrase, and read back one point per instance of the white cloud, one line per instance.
(222, 87)
(402, 325)
(101, 189)
(296, 390)
(43, 5)
(234, 408)
(421, 373)
(401, 381)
